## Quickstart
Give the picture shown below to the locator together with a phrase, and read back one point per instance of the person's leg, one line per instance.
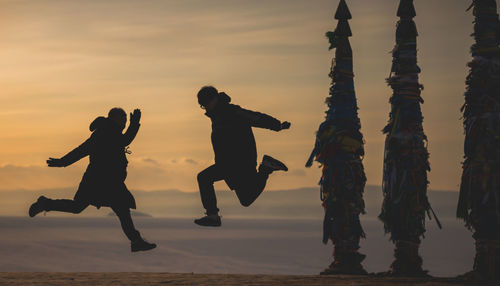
(253, 183)
(123, 214)
(206, 180)
(137, 242)
(68, 206)
(252, 186)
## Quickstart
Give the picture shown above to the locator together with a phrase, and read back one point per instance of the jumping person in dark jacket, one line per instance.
(235, 152)
(103, 183)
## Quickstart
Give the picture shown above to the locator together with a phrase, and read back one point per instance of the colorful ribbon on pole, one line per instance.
(406, 160)
(339, 146)
(479, 203)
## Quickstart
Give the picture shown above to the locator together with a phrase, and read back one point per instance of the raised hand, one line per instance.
(285, 125)
(55, 162)
(135, 117)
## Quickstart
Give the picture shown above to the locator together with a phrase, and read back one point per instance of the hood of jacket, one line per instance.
(223, 98)
(222, 101)
(102, 122)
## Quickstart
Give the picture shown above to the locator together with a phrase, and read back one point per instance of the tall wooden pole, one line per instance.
(339, 148)
(406, 160)
(479, 203)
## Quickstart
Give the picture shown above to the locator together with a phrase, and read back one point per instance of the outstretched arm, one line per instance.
(133, 127)
(261, 120)
(73, 156)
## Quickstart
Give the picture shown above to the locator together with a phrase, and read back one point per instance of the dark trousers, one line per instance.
(76, 207)
(248, 191)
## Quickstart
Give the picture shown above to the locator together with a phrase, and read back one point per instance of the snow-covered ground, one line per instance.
(265, 246)
(279, 234)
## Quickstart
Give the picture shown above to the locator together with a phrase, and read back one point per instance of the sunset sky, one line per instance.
(65, 62)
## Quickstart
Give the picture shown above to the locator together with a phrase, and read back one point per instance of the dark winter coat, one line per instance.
(103, 183)
(233, 140)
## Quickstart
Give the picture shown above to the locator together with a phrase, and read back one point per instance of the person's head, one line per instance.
(207, 97)
(119, 116)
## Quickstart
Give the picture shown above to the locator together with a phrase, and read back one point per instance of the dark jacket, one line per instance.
(233, 140)
(103, 183)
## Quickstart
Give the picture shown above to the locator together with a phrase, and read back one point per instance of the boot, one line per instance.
(347, 262)
(39, 206)
(407, 261)
(270, 164)
(209, 220)
(141, 245)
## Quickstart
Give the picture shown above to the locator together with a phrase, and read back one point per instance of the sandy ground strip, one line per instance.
(144, 279)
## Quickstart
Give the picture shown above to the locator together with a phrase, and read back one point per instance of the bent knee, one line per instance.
(246, 203)
(205, 178)
(79, 207)
(201, 177)
(78, 210)
(121, 212)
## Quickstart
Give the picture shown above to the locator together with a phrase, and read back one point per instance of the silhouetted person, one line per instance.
(103, 183)
(235, 152)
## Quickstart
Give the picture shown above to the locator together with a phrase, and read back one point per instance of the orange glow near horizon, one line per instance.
(63, 63)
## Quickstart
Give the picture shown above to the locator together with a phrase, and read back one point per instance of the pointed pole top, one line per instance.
(343, 12)
(343, 29)
(406, 9)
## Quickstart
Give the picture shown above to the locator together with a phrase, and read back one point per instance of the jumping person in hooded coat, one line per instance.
(235, 151)
(103, 183)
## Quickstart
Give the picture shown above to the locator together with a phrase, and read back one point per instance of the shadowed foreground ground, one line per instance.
(82, 278)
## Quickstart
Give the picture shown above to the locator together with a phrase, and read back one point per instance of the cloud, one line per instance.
(190, 161)
(140, 176)
(271, 55)
(39, 177)
(151, 161)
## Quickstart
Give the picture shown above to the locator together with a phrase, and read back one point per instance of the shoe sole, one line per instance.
(31, 211)
(208, 225)
(146, 249)
(275, 164)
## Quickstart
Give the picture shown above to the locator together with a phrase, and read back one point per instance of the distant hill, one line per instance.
(133, 213)
(295, 204)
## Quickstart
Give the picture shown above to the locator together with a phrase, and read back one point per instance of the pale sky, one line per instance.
(65, 62)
